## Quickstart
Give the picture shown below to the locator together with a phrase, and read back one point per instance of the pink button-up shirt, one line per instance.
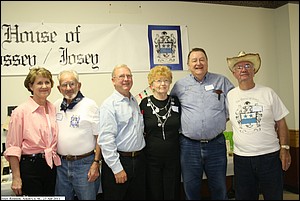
(29, 132)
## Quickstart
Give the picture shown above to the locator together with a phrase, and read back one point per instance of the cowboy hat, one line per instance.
(253, 58)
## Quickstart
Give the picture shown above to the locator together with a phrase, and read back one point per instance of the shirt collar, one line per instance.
(207, 75)
(120, 97)
(33, 105)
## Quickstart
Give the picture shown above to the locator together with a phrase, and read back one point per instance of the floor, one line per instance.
(289, 196)
(286, 196)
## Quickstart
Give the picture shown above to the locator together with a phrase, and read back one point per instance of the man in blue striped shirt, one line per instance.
(204, 115)
(121, 140)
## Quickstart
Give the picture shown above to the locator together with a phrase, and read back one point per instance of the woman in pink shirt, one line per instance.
(31, 141)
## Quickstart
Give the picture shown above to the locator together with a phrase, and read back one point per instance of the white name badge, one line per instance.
(257, 108)
(174, 108)
(209, 87)
(59, 116)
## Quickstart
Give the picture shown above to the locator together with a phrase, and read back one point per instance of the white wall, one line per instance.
(221, 30)
(294, 34)
(287, 54)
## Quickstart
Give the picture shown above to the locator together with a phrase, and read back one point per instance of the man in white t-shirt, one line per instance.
(260, 133)
(78, 120)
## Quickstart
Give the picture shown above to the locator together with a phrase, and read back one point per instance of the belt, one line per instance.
(208, 140)
(130, 154)
(39, 155)
(205, 140)
(76, 157)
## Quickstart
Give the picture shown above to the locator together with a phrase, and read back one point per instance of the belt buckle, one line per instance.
(204, 141)
(69, 157)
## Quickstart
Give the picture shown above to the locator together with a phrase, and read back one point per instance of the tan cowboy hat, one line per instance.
(253, 58)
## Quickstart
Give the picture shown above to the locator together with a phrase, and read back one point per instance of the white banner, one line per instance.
(90, 48)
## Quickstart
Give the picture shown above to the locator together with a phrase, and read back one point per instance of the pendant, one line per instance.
(164, 117)
(157, 110)
(148, 104)
(163, 131)
(159, 124)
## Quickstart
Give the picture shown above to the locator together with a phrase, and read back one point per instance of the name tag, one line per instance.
(174, 108)
(257, 108)
(209, 87)
(59, 117)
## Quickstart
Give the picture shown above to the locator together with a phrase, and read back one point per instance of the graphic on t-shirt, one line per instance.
(74, 123)
(249, 116)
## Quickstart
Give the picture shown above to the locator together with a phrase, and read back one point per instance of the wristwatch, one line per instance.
(98, 161)
(285, 146)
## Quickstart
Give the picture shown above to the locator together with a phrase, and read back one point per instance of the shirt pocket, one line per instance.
(216, 101)
(124, 114)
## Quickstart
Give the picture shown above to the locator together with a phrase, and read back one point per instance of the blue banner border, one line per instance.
(150, 39)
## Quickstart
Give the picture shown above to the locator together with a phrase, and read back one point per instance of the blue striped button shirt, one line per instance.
(121, 128)
(204, 111)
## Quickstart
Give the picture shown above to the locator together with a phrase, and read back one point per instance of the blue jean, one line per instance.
(198, 157)
(255, 174)
(72, 179)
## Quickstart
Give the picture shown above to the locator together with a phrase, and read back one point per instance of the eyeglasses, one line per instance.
(65, 84)
(246, 66)
(122, 77)
(162, 81)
